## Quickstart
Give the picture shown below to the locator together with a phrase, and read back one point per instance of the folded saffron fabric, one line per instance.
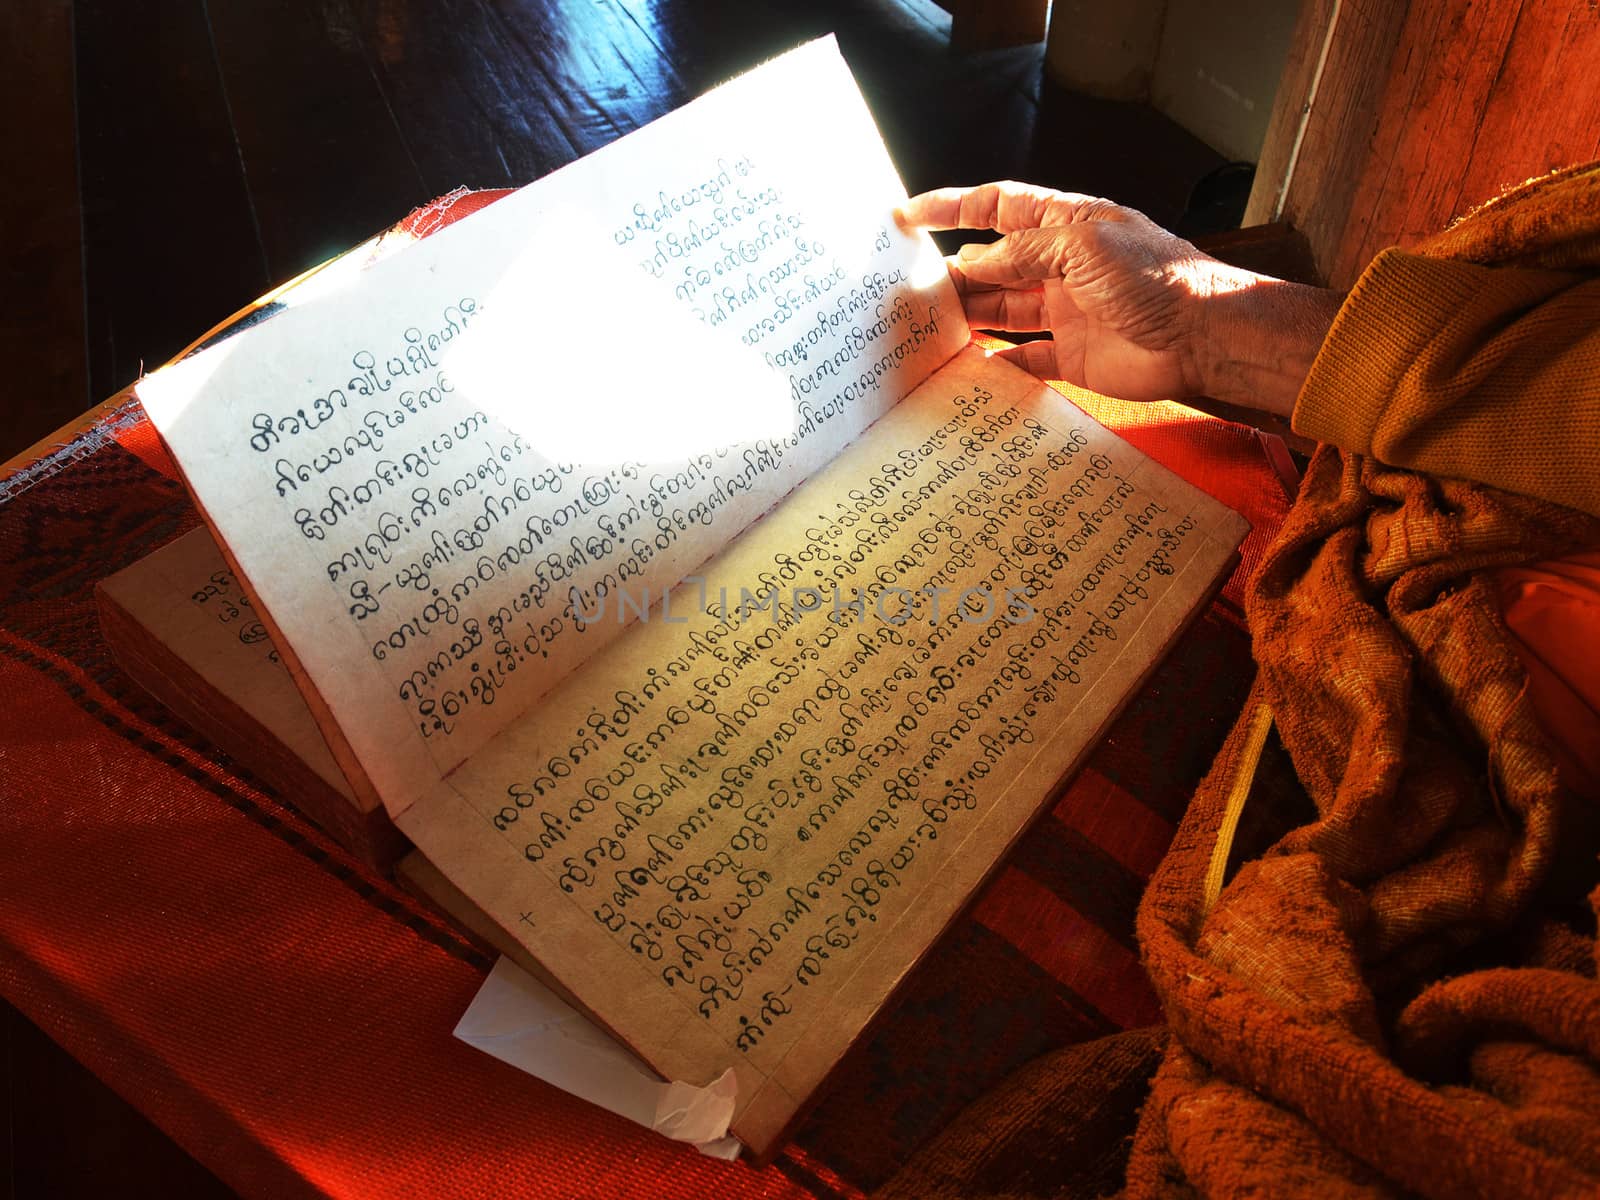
(1553, 611)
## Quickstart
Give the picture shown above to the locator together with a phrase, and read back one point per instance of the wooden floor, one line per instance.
(170, 162)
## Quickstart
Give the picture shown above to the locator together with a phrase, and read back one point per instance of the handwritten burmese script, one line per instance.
(428, 480)
(462, 554)
(740, 254)
(219, 595)
(746, 791)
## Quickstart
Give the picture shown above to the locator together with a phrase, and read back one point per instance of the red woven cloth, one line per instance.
(285, 1015)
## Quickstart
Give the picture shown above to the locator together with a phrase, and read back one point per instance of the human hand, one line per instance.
(1133, 311)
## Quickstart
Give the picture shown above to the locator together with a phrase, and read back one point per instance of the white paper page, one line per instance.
(428, 478)
(518, 1020)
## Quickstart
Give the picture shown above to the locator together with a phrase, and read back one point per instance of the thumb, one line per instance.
(1027, 256)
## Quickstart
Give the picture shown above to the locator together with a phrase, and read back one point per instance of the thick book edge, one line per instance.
(170, 674)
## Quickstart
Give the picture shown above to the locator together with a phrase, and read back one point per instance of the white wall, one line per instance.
(1210, 65)
(1216, 71)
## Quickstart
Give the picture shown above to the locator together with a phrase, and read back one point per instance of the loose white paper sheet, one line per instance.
(520, 1021)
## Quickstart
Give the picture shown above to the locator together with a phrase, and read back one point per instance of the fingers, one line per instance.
(931, 210)
(955, 207)
(1008, 310)
(1004, 207)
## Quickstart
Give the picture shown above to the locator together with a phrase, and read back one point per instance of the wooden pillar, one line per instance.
(1394, 118)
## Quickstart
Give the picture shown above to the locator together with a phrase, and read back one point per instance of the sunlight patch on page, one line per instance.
(928, 266)
(174, 390)
(618, 401)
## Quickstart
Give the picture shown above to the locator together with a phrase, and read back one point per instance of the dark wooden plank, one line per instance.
(601, 73)
(169, 240)
(706, 43)
(326, 163)
(42, 343)
(1276, 249)
(551, 79)
(470, 109)
(988, 24)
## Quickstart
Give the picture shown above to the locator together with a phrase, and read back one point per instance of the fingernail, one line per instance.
(971, 251)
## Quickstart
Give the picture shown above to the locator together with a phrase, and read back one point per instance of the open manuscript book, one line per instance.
(719, 657)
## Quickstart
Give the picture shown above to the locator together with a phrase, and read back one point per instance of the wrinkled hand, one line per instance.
(1115, 291)
(1133, 311)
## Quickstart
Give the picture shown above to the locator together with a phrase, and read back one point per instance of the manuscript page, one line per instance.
(735, 831)
(426, 482)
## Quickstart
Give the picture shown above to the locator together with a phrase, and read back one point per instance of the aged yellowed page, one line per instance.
(428, 480)
(735, 831)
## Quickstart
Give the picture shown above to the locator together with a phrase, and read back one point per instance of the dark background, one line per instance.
(171, 161)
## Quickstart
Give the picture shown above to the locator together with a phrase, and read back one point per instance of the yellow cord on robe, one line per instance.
(1243, 778)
